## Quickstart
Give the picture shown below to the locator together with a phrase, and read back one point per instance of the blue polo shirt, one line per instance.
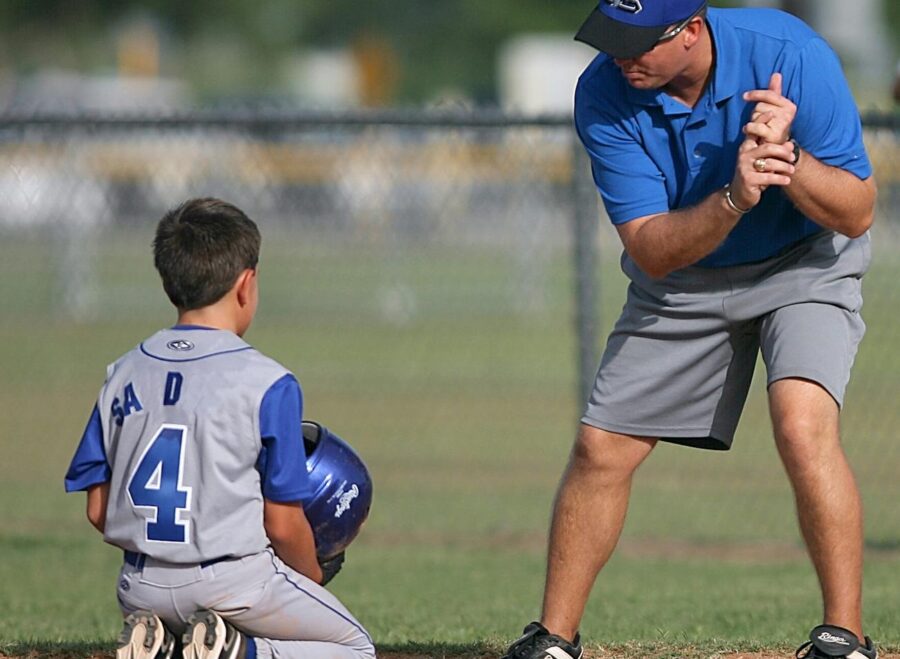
(651, 154)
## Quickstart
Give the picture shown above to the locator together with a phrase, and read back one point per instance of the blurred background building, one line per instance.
(124, 56)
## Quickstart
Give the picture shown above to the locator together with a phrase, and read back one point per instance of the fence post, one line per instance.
(585, 216)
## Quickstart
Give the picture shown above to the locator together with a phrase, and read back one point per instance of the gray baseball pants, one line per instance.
(285, 613)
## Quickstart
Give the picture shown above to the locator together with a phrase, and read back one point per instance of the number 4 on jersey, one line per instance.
(156, 489)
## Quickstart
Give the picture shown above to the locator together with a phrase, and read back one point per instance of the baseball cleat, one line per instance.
(144, 636)
(210, 636)
(537, 643)
(831, 642)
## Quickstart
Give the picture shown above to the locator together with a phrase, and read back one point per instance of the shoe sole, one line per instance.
(204, 637)
(141, 637)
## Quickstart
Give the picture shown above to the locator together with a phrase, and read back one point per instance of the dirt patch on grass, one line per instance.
(622, 654)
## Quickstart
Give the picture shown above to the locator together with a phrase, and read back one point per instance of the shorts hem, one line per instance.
(813, 376)
(645, 431)
(702, 438)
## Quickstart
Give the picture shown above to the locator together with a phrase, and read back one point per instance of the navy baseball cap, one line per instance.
(628, 28)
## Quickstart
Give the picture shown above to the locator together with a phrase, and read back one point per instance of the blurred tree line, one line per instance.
(238, 47)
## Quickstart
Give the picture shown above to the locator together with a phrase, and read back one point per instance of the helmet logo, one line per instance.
(345, 500)
(632, 6)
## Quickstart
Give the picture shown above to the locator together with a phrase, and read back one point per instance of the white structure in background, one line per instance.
(66, 91)
(537, 73)
(323, 78)
(71, 210)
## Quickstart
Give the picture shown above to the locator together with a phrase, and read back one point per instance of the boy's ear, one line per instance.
(243, 284)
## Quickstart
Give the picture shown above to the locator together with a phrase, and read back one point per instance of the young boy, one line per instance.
(194, 464)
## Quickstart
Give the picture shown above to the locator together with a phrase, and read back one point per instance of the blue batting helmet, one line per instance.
(341, 490)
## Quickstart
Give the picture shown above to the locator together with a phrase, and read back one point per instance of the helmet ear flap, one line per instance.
(341, 490)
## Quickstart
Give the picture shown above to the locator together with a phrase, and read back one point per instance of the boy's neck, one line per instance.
(210, 317)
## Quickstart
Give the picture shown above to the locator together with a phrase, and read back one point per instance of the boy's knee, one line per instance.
(364, 649)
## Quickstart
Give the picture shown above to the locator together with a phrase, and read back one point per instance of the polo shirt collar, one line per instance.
(724, 84)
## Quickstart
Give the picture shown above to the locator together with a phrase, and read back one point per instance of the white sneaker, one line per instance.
(210, 636)
(831, 642)
(144, 636)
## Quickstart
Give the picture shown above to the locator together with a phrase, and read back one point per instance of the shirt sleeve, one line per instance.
(89, 466)
(282, 460)
(629, 182)
(827, 123)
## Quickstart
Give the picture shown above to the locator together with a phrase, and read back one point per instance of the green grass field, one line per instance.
(463, 404)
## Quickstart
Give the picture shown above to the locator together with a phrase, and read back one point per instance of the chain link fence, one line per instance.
(413, 251)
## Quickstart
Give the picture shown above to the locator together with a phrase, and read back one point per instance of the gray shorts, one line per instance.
(678, 364)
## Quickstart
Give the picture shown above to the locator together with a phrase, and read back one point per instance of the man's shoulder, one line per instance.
(601, 70)
(764, 24)
(600, 86)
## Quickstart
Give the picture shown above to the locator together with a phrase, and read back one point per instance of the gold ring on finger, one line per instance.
(759, 164)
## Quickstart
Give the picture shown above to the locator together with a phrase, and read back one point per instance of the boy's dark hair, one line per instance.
(200, 248)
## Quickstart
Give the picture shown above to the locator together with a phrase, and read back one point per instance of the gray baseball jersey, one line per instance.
(181, 410)
(192, 429)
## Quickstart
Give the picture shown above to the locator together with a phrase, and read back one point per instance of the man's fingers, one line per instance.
(762, 130)
(766, 96)
(768, 108)
(784, 152)
(765, 180)
(775, 83)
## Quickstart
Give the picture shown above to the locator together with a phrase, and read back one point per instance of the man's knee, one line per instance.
(804, 416)
(611, 454)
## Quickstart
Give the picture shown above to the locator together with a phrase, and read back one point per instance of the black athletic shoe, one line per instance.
(537, 643)
(144, 636)
(210, 636)
(830, 642)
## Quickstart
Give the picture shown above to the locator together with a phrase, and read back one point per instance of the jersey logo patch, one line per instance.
(181, 345)
(632, 6)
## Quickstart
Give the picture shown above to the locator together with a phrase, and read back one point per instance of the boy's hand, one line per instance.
(331, 566)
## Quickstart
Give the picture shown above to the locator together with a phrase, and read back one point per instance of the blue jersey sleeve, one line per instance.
(827, 123)
(89, 465)
(630, 183)
(282, 460)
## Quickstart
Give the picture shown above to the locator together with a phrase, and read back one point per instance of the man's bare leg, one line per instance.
(805, 419)
(588, 516)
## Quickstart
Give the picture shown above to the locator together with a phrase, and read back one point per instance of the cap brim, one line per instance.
(618, 39)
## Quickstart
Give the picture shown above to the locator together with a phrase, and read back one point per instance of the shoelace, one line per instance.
(526, 645)
(801, 649)
(530, 642)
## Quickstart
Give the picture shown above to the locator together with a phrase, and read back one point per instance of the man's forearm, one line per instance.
(664, 243)
(832, 197)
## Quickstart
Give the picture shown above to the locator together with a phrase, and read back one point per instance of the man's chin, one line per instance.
(642, 83)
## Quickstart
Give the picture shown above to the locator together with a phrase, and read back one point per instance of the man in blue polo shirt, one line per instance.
(728, 152)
